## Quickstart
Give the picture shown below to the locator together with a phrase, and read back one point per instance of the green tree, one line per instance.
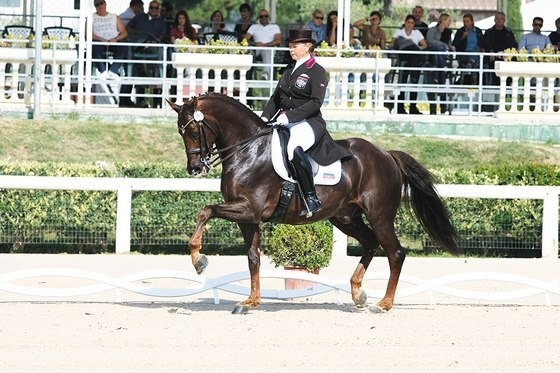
(514, 18)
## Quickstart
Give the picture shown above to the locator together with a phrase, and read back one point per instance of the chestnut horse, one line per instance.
(371, 186)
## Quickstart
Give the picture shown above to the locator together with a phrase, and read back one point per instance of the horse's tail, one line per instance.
(426, 203)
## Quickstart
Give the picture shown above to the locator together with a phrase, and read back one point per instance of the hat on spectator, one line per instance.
(300, 36)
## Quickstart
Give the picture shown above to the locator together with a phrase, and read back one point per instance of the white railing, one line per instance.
(125, 186)
(356, 84)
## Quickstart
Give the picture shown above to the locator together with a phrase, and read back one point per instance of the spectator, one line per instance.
(182, 27)
(409, 39)
(418, 13)
(534, 39)
(216, 23)
(265, 34)
(373, 34)
(317, 26)
(439, 40)
(151, 22)
(107, 28)
(296, 103)
(468, 39)
(136, 7)
(246, 21)
(332, 24)
(496, 39)
(166, 12)
(555, 36)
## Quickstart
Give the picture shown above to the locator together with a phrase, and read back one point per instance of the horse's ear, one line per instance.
(174, 106)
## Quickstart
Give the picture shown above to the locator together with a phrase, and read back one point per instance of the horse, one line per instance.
(371, 186)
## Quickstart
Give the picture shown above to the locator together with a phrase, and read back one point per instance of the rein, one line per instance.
(206, 153)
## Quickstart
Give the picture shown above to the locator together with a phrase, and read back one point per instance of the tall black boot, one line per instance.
(304, 175)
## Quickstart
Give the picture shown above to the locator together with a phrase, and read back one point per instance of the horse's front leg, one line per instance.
(252, 238)
(199, 261)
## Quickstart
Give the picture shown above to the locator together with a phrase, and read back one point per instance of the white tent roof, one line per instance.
(547, 9)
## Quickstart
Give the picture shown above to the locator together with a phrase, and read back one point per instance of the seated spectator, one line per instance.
(469, 39)
(265, 34)
(135, 7)
(317, 26)
(166, 12)
(107, 28)
(554, 36)
(182, 27)
(418, 13)
(373, 34)
(246, 21)
(409, 39)
(496, 39)
(151, 22)
(216, 23)
(534, 39)
(439, 40)
(332, 28)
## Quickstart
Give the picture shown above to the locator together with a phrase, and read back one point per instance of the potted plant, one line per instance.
(302, 247)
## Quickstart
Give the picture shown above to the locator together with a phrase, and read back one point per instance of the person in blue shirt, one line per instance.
(534, 39)
(317, 26)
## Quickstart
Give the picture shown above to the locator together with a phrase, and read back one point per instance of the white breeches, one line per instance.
(301, 134)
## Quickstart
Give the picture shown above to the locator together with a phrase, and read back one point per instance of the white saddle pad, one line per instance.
(322, 175)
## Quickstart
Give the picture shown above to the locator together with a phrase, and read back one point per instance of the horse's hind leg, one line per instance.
(365, 236)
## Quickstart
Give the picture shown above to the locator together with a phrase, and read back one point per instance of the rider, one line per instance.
(296, 104)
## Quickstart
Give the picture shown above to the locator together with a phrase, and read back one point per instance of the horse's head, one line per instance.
(198, 136)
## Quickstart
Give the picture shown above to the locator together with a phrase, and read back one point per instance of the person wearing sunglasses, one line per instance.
(534, 39)
(265, 34)
(317, 26)
(108, 29)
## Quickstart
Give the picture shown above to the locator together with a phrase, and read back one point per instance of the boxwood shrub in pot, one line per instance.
(309, 246)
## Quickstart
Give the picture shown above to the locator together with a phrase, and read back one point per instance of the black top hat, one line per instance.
(300, 36)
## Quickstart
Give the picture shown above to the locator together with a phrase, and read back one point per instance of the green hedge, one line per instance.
(76, 221)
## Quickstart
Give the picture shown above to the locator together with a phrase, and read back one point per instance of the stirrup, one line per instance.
(313, 206)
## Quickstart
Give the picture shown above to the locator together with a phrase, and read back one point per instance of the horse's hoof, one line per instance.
(201, 264)
(240, 309)
(376, 309)
(361, 300)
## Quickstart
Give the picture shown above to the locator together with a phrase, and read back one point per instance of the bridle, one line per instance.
(205, 150)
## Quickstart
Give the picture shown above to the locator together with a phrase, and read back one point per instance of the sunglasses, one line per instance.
(263, 16)
(321, 18)
(99, 3)
(154, 7)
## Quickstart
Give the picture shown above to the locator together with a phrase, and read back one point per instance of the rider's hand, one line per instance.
(282, 119)
(264, 119)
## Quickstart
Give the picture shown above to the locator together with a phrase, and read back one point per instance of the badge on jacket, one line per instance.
(301, 81)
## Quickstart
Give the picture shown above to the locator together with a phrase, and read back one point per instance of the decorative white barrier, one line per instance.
(228, 284)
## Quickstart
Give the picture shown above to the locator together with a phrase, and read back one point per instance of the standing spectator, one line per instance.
(166, 12)
(265, 34)
(151, 22)
(409, 39)
(182, 27)
(373, 34)
(216, 23)
(439, 40)
(418, 13)
(555, 36)
(534, 39)
(468, 39)
(496, 39)
(246, 21)
(107, 28)
(136, 7)
(317, 26)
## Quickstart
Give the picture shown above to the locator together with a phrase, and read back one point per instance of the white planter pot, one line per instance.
(351, 64)
(212, 61)
(529, 69)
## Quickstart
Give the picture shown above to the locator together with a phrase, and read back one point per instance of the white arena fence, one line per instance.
(125, 187)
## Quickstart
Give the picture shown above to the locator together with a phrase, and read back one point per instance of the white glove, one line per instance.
(264, 119)
(282, 119)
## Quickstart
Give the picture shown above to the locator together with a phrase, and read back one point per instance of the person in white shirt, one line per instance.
(107, 28)
(265, 34)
